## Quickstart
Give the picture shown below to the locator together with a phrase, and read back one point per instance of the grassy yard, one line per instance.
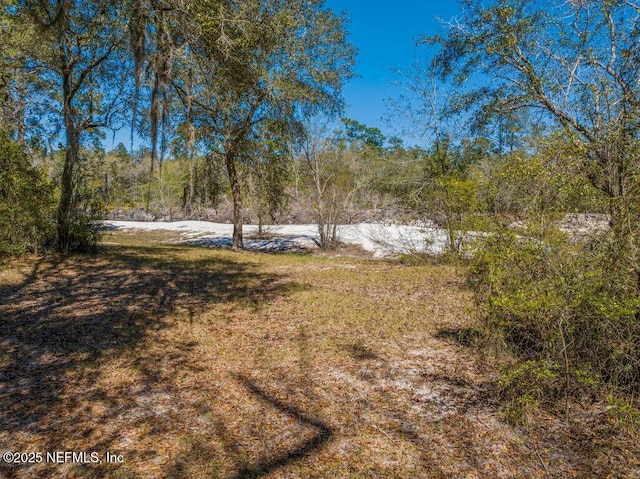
(199, 363)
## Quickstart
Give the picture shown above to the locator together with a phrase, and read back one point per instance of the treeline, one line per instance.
(338, 173)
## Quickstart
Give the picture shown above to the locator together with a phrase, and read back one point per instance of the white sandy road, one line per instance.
(381, 240)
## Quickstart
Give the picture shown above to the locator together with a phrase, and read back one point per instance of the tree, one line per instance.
(268, 176)
(11, 79)
(574, 63)
(334, 174)
(264, 61)
(367, 136)
(78, 58)
(570, 306)
(119, 176)
(158, 34)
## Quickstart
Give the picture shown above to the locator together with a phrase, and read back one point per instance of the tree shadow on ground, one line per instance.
(276, 461)
(260, 424)
(71, 315)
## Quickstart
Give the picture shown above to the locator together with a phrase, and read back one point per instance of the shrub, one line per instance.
(88, 209)
(26, 202)
(568, 310)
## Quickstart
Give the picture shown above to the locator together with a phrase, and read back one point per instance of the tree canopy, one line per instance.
(573, 63)
(213, 72)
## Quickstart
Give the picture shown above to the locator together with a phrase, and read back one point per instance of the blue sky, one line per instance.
(385, 33)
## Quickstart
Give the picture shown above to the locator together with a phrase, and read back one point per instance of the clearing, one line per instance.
(201, 363)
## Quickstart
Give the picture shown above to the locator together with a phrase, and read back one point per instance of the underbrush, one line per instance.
(566, 313)
(26, 202)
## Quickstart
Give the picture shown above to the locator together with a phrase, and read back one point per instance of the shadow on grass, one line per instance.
(464, 336)
(270, 464)
(361, 351)
(69, 316)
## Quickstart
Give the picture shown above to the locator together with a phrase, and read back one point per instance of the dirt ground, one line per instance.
(185, 362)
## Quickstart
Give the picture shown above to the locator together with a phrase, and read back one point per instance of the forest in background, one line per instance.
(531, 110)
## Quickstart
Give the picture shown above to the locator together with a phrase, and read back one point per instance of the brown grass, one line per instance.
(196, 363)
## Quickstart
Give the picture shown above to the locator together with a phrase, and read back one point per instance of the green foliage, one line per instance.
(560, 305)
(120, 177)
(168, 186)
(547, 183)
(266, 65)
(624, 411)
(85, 231)
(209, 182)
(269, 176)
(565, 304)
(25, 202)
(527, 385)
(356, 132)
(88, 205)
(454, 201)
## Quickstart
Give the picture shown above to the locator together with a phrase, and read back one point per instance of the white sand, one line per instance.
(382, 240)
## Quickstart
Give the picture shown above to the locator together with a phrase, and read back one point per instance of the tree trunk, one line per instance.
(65, 207)
(191, 139)
(237, 197)
(155, 102)
(321, 231)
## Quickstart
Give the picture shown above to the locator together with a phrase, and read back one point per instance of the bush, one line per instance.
(88, 209)
(568, 310)
(26, 202)
(86, 230)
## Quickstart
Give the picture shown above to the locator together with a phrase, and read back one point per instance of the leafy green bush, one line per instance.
(26, 202)
(567, 309)
(86, 230)
(528, 384)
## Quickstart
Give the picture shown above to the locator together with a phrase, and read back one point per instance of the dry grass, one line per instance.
(195, 363)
